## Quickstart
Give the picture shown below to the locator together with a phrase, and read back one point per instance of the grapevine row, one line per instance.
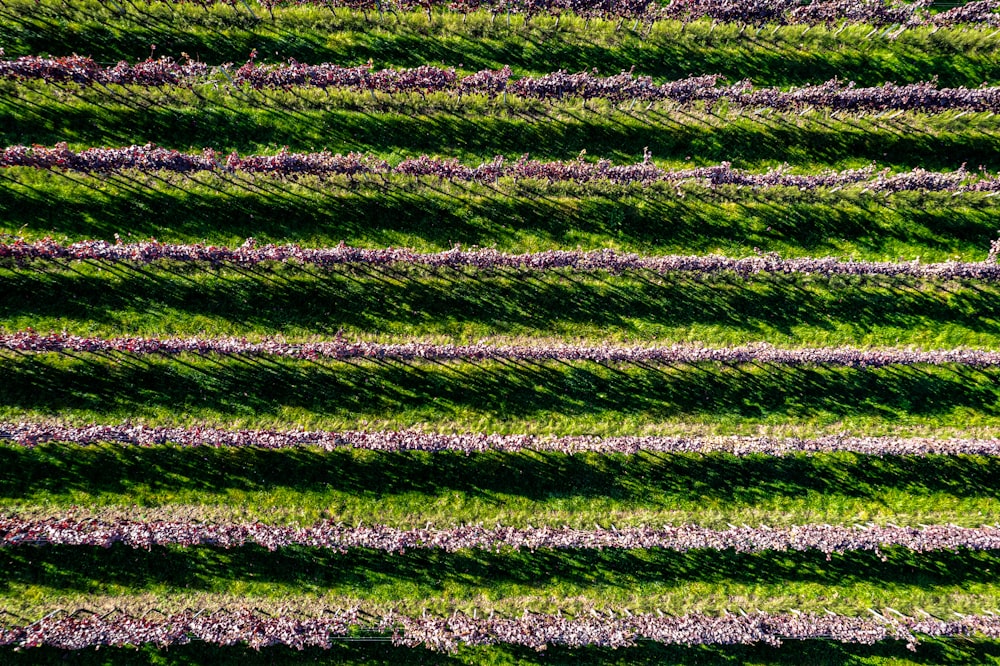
(251, 254)
(83, 630)
(33, 434)
(879, 13)
(65, 531)
(834, 94)
(30, 341)
(154, 158)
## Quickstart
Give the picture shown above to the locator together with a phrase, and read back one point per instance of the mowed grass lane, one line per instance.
(509, 583)
(475, 128)
(410, 490)
(788, 55)
(446, 306)
(499, 396)
(527, 216)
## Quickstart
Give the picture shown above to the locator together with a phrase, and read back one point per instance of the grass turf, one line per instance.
(789, 55)
(95, 300)
(408, 490)
(523, 217)
(39, 579)
(475, 129)
(493, 396)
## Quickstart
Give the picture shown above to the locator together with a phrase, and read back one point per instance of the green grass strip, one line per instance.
(490, 396)
(507, 582)
(454, 307)
(788, 55)
(408, 490)
(307, 120)
(526, 217)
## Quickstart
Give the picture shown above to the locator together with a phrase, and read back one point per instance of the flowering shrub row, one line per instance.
(983, 12)
(83, 70)
(30, 341)
(82, 630)
(285, 164)
(251, 254)
(33, 434)
(833, 94)
(824, 538)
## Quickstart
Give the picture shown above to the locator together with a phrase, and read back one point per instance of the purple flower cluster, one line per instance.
(538, 631)
(30, 341)
(425, 79)
(445, 634)
(251, 254)
(83, 630)
(66, 531)
(982, 12)
(78, 69)
(285, 164)
(33, 434)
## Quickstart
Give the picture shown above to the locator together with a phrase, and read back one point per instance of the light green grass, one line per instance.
(475, 129)
(49, 577)
(784, 55)
(457, 307)
(492, 396)
(520, 217)
(409, 490)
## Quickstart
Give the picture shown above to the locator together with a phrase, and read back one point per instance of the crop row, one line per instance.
(33, 434)
(872, 12)
(251, 254)
(828, 539)
(833, 94)
(30, 341)
(82, 630)
(154, 158)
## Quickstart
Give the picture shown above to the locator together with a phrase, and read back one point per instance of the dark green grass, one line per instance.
(522, 217)
(307, 121)
(407, 490)
(784, 56)
(794, 653)
(493, 395)
(93, 299)
(676, 583)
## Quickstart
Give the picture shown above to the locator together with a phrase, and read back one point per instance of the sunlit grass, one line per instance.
(48, 577)
(771, 55)
(409, 490)
(520, 217)
(459, 307)
(475, 129)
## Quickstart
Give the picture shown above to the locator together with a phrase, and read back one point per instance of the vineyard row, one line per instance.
(610, 261)
(82, 630)
(879, 13)
(828, 539)
(30, 341)
(150, 158)
(33, 434)
(833, 94)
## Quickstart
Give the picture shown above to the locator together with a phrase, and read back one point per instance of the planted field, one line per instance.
(480, 332)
